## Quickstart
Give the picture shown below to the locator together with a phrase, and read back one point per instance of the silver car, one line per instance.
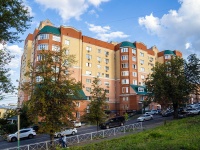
(67, 131)
(145, 117)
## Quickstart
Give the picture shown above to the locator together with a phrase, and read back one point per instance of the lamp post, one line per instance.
(18, 123)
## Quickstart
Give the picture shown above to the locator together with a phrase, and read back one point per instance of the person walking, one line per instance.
(64, 141)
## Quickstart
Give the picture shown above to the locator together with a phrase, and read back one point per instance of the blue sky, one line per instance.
(168, 24)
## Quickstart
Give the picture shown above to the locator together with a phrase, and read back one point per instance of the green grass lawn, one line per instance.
(183, 134)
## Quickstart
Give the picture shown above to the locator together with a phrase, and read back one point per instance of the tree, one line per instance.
(14, 19)
(52, 90)
(192, 73)
(97, 105)
(168, 85)
(5, 81)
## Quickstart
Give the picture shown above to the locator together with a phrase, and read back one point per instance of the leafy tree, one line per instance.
(97, 105)
(5, 81)
(14, 19)
(192, 73)
(168, 85)
(52, 90)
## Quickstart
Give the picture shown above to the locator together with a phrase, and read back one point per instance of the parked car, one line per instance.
(23, 133)
(192, 111)
(66, 131)
(153, 112)
(113, 122)
(145, 117)
(167, 113)
(76, 123)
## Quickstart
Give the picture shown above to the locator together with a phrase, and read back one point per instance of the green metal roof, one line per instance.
(168, 52)
(136, 87)
(50, 29)
(81, 96)
(127, 44)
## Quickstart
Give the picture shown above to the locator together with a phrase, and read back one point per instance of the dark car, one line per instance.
(167, 113)
(35, 127)
(113, 122)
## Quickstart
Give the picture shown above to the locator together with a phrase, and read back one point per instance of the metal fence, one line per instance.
(72, 140)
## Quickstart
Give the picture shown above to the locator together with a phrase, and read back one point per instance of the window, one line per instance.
(55, 69)
(106, 61)
(77, 104)
(39, 79)
(133, 58)
(43, 47)
(88, 64)
(89, 57)
(98, 66)
(135, 82)
(141, 98)
(56, 38)
(99, 59)
(140, 89)
(124, 89)
(67, 52)
(134, 51)
(39, 57)
(106, 53)
(66, 72)
(125, 81)
(66, 42)
(151, 59)
(107, 99)
(55, 59)
(88, 73)
(124, 57)
(134, 66)
(142, 69)
(124, 65)
(106, 83)
(141, 54)
(141, 62)
(99, 50)
(106, 68)
(88, 80)
(107, 91)
(107, 75)
(98, 74)
(125, 98)
(142, 77)
(88, 89)
(125, 73)
(55, 48)
(89, 49)
(77, 114)
(43, 36)
(167, 56)
(134, 74)
(65, 63)
(124, 50)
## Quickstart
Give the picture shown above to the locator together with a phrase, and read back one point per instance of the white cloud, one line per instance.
(93, 12)
(104, 33)
(68, 9)
(29, 8)
(15, 51)
(177, 27)
(187, 45)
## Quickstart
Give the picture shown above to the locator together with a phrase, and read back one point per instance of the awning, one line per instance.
(140, 90)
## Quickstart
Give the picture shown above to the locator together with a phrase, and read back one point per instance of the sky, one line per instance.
(167, 24)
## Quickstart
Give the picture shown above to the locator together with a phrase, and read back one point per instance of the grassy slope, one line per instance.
(181, 134)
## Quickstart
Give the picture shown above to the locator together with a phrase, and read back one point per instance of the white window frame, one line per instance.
(56, 38)
(134, 51)
(124, 50)
(134, 66)
(67, 42)
(125, 89)
(135, 82)
(142, 69)
(133, 58)
(134, 74)
(88, 64)
(88, 48)
(124, 57)
(141, 54)
(88, 80)
(125, 73)
(55, 48)
(141, 61)
(43, 47)
(124, 65)
(43, 36)
(89, 57)
(125, 81)
(88, 72)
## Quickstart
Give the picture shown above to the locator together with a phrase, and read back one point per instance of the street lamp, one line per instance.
(18, 122)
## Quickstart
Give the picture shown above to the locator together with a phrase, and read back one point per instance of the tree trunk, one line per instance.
(97, 125)
(53, 147)
(175, 107)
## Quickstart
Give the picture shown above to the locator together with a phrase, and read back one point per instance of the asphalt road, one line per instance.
(82, 130)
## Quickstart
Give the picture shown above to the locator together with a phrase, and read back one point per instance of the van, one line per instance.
(113, 122)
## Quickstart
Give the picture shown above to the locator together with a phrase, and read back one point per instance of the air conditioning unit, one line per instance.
(99, 61)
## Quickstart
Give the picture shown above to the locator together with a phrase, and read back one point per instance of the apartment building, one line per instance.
(121, 67)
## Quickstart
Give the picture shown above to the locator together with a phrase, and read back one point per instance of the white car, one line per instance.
(67, 131)
(145, 117)
(76, 123)
(23, 133)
